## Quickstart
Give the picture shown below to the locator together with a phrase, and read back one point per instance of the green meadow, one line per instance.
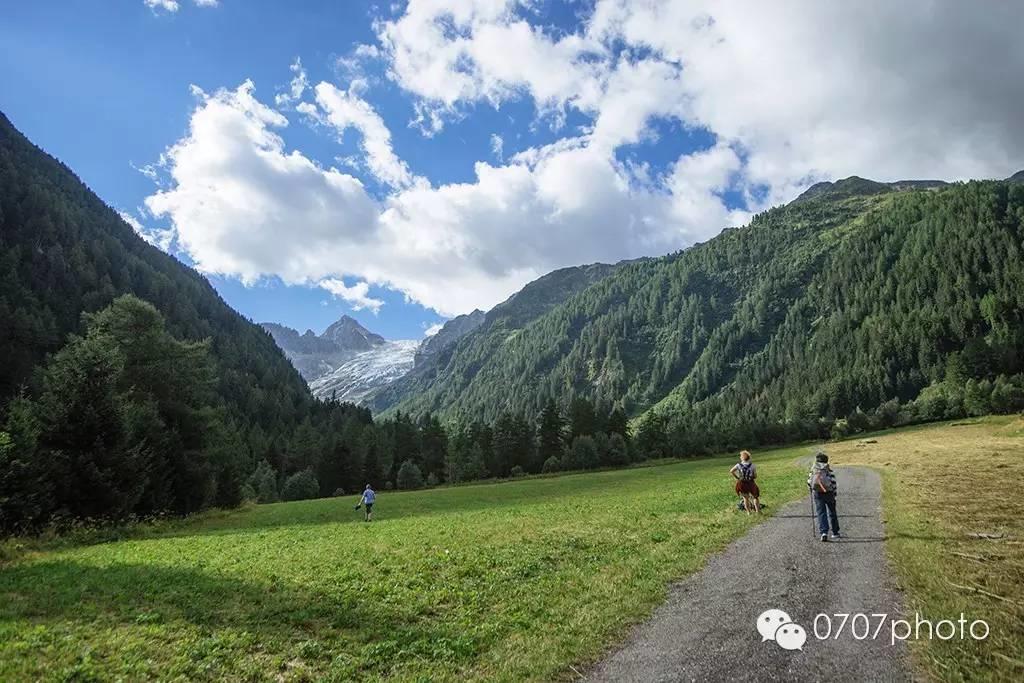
(525, 579)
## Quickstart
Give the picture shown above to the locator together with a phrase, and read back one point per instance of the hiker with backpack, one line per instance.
(745, 473)
(822, 483)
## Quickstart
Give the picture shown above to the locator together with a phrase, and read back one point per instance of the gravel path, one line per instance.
(705, 631)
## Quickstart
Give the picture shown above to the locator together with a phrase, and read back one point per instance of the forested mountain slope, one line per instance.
(487, 337)
(842, 300)
(64, 252)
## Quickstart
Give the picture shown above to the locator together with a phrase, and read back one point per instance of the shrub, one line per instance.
(300, 486)
(264, 482)
(517, 471)
(409, 476)
(618, 452)
(583, 454)
(840, 429)
(552, 464)
(248, 493)
(432, 480)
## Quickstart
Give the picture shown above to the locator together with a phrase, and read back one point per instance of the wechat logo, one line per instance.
(774, 624)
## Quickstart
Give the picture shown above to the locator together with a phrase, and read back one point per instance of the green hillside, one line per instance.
(501, 323)
(64, 254)
(842, 301)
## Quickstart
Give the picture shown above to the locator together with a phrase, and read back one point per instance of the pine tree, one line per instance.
(551, 432)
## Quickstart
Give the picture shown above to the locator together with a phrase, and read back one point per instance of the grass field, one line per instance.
(511, 581)
(952, 500)
(514, 581)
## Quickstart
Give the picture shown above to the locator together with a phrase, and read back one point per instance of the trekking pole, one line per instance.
(814, 525)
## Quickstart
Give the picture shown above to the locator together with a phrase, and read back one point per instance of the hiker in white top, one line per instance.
(745, 473)
(822, 483)
(367, 500)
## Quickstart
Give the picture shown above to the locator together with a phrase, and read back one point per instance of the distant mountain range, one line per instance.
(350, 363)
(317, 355)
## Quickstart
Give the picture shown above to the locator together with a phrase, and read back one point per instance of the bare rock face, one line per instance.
(317, 355)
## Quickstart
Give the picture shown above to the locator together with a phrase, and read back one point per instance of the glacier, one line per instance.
(357, 379)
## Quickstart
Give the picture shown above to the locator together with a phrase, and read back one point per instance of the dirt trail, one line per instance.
(705, 630)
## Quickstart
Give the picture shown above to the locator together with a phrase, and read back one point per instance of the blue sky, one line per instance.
(389, 187)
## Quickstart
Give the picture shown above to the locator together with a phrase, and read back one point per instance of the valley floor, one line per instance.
(522, 580)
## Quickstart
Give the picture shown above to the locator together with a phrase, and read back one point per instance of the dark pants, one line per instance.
(825, 505)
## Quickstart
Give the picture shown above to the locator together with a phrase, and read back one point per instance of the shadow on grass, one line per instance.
(808, 516)
(275, 616)
(133, 593)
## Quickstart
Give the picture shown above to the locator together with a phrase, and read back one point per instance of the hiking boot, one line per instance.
(824, 537)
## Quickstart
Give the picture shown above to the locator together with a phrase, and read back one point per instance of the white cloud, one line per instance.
(161, 239)
(243, 206)
(357, 295)
(431, 330)
(296, 87)
(789, 92)
(165, 5)
(346, 109)
(173, 5)
(808, 90)
(352, 66)
(821, 90)
(451, 53)
(497, 146)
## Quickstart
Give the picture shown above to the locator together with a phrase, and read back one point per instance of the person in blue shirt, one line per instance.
(367, 502)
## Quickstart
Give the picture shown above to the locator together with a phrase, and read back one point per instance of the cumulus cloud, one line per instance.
(808, 90)
(431, 330)
(243, 206)
(358, 295)
(788, 93)
(448, 54)
(816, 90)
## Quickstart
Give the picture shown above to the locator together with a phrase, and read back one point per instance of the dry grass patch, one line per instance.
(952, 497)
